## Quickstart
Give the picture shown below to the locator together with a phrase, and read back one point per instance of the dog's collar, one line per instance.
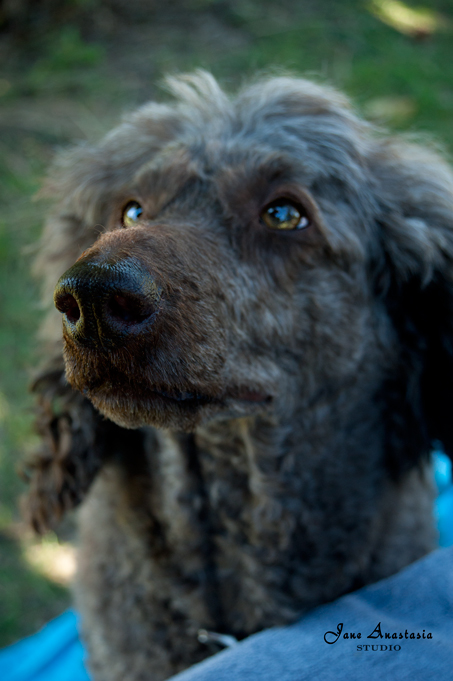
(225, 640)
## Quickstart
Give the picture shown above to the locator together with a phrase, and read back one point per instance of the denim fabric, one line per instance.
(418, 600)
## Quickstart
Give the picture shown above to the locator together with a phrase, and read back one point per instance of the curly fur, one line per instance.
(324, 354)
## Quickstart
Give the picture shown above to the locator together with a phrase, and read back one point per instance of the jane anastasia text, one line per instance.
(331, 637)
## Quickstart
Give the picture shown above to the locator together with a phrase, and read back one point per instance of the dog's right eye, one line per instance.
(132, 213)
(284, 214)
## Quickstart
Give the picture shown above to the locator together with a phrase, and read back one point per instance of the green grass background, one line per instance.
(69, 75)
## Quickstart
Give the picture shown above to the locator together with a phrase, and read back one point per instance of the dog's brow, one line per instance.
(162, 179)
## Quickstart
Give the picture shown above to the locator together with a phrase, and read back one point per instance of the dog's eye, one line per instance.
(132, 213)
(284, 214)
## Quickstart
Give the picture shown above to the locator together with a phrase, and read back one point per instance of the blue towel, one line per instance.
(443, 508)
(53, 654)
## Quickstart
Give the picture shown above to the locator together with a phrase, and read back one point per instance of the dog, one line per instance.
(257, 308)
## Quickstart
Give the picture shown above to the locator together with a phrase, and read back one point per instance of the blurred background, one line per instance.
(70, 68)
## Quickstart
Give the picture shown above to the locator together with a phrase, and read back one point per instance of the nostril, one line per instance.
(67, 304)
(128, 308)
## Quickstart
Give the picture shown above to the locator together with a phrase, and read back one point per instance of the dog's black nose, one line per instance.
(107, 303)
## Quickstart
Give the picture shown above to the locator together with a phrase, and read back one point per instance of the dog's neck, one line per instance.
(251, 502)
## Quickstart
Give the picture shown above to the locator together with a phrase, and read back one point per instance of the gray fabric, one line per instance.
(416, 599)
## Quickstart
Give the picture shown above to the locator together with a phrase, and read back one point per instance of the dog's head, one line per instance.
(256, 254)
(252, 253)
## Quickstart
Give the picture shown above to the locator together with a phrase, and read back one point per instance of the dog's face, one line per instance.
(237, 265)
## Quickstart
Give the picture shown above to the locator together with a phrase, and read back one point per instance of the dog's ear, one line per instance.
(74, 442)
(414, 276)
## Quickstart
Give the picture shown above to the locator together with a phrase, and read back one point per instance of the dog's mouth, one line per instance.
(237, 394)
(182, 396)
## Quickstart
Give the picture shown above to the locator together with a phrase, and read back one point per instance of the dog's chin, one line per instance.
(162, 411)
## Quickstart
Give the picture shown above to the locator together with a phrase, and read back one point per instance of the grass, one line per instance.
(73, 81)
(28, 598)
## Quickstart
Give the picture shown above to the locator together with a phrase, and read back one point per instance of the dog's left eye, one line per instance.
(285, 215)
(132, 213)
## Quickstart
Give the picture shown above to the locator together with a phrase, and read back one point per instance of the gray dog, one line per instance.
(257, 322)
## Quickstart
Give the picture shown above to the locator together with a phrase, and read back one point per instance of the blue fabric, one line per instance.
(53, 654)
(418, 598)
(443, 508)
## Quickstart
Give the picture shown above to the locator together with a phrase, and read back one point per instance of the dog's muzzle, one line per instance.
(107, 303)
